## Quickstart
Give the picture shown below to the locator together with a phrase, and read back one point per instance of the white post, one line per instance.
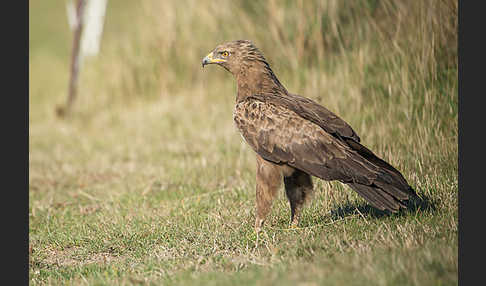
(86, 42)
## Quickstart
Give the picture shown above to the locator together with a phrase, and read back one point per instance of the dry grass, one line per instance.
(148, 182)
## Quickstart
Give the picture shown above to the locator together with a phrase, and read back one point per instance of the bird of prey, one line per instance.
(295, 138)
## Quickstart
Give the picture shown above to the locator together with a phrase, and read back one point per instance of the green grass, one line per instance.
(148, 181)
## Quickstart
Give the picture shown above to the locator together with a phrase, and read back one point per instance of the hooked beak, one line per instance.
(209, 59)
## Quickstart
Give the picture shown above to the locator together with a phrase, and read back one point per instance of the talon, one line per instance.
(258, 225)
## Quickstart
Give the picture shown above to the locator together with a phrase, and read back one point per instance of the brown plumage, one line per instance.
(296, 138)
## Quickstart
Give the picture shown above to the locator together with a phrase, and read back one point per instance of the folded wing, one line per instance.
(321, 144)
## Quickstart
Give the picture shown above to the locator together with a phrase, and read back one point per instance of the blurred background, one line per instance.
(389, 68)
(345, 51)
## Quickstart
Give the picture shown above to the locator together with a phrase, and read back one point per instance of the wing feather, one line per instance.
(312, 111)
(282, 136)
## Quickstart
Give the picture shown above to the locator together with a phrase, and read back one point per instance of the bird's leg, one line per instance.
(268, 180)
(298, 187)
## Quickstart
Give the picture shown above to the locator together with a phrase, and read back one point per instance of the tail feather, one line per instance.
(389, 190)
(397, 178)
(368, 195)
(377, 197)
(392, 190)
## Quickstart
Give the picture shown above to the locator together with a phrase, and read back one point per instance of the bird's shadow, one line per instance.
(414, 205)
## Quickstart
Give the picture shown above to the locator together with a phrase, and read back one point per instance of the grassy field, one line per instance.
(149, 182)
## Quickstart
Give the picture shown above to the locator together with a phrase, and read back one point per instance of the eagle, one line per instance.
(295, 138)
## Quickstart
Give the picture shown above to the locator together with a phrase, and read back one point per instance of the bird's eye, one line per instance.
(224, 54)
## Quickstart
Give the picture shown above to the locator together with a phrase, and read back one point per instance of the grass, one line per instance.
(148, 182)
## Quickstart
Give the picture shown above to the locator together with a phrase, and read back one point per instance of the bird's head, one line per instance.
(231, 55)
